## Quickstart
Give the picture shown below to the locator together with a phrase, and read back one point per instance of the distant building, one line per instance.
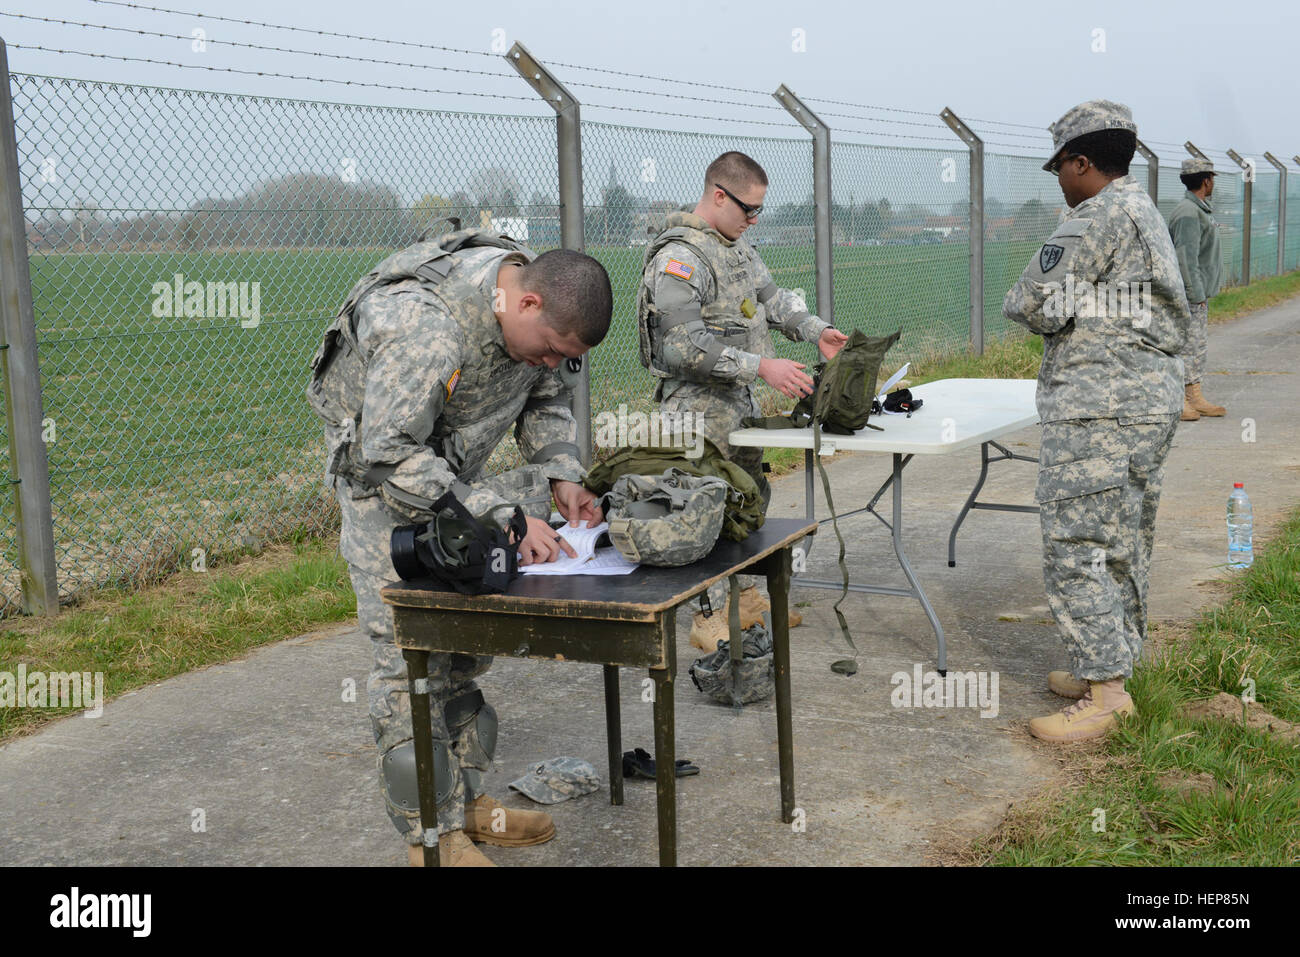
(516, 227)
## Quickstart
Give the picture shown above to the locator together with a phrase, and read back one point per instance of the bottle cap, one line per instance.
(1238, 485)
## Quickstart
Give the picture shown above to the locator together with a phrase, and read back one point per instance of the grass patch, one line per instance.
(1177, 790)
(1236, 301)
(195, 619)
(1015, 356)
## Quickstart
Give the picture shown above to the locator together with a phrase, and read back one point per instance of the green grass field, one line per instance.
(174, 434)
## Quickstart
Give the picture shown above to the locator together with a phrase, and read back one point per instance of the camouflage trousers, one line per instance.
(1198, 343)
(1098, 489)
(364, 544)
(716, 413)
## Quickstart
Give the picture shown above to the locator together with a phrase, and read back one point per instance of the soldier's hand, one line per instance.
(542, 544)
(785, 376)
(576, 503)
(831, 342)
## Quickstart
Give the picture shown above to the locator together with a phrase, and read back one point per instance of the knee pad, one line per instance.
(397, 771)
(472, 725)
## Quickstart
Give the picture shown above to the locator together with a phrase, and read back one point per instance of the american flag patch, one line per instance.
(679, 269)
(451, 383)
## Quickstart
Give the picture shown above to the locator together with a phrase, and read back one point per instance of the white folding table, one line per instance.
(957, 414)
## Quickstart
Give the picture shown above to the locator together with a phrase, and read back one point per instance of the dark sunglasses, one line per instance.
(1055, 167)
(751, 212)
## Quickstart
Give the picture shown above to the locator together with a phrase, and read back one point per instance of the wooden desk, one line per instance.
(615, 621)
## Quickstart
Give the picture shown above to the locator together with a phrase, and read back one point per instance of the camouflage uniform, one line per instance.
(437, 392)
(1200, 259)
(711, 303)
(1109, 395)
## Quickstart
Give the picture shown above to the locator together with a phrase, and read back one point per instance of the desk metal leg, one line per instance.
(426, 777)
(665, 744)
(897, 534)
(778, 587)
(971, 502)
(614, 734)
(809, 497)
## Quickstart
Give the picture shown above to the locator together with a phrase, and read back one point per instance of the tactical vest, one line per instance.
(338, 382)
(735, 316)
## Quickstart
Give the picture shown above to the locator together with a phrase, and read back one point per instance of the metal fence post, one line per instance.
(1246, 206)
(976, 146)
(823, 243)
(1281, 210)
(1153, 172)
(34, 519)
(568, 135)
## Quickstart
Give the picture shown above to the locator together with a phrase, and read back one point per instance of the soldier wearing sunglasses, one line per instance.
(706, 308)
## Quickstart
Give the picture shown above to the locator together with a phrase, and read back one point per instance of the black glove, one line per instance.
(639, 764)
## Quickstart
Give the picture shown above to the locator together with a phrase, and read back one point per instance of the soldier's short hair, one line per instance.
(1110, 151)
(735, 171)
(576, 295)
(1193, 181)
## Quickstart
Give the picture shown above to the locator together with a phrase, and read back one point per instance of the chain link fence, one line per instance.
(188, 248)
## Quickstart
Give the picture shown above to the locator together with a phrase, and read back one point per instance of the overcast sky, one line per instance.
(1219, 74)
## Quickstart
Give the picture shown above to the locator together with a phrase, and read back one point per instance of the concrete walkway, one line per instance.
(282, 765)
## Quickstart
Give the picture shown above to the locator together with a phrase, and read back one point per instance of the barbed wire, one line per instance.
(425, 66)
(1041, 138)
(868, 106)
(255, 46)
(1024, 126)
(296, 29)
(280, 76)
(465, 51)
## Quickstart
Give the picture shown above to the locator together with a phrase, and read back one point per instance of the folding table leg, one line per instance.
(426, 776)
(897, 534)
(970, 500)
(778, 586)
(665, 743)
(614, 734)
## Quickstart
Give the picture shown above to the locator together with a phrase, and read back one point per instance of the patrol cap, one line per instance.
(558, 779)
(1196, 164)
(1091, 117)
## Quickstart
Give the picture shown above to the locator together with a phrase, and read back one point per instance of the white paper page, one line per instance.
(889, 384)
(590, 560)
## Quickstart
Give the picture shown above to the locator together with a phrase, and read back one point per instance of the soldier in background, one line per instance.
(1109, 394)
(706, 307)
(1196, 241)
(434, 356)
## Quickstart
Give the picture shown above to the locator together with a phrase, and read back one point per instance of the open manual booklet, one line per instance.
(591, 559)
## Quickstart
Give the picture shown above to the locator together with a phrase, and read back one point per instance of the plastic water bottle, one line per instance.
(1240, 527)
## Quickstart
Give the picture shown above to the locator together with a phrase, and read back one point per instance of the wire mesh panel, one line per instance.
(901, 229)
(1022, 207)
(10, 591)
(187, 250)
(1291, 251)
(633, 178)
(1263, 222)
(1226, 205)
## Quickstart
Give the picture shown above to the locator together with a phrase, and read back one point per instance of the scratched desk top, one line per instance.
(638, 596)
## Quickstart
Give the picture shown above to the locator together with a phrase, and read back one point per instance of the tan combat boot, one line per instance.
(1200, 403)
(1090, 717)
(455, 849)
(707, 632)
(752, 605)
(487, 821)
(1189, 411)
(1066, 684)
